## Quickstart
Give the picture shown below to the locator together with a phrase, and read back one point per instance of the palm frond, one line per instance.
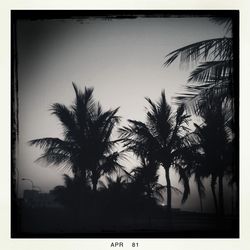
(56, 151)
(66, 118)
(196, 96)
(84, 107)
(48, 142)
(138, 138)
(215, 70)
(159, 119)
(110, 163)
(59, 160)
(212, 49)
(223, 20)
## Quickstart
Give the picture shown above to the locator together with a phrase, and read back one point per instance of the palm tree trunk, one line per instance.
(198, 183)
(221, 196)
(237, 202)
(148, 191)
(232, 204)
(94, 185)
(169, 194)
(94, 181)
(201, 206)
(213, 183)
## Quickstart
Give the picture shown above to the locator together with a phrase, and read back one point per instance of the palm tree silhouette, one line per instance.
(145, 178)
(193, 160)
(73, 194)
(113, 191)
(212, 80)
(86, 147)
(159, 139)
(212, 141)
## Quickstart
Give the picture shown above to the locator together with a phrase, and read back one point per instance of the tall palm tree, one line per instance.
(86, 147)
(159, 138)
(212, 79)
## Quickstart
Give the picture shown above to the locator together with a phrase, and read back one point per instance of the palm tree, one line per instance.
(145, 178)
(113, 190)
(193, 160)
(86, 148)
(73, 194)
(159, 139)
(212, 141)
(212, 79)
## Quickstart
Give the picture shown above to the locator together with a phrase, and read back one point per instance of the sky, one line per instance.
(121, 58)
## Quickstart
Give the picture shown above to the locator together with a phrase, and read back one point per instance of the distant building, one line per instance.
(33, 198)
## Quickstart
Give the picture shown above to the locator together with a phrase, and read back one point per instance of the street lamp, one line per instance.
(40, 190)
(32, 184)
(17, 180)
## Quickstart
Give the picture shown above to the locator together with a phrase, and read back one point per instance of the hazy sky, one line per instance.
(122, 60)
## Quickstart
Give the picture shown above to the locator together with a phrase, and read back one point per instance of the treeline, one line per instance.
(164, 139)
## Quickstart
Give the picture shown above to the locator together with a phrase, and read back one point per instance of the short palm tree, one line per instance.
(145, 178)
(86, 147)
(73, 194)
(158, 139)
(115, 184)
